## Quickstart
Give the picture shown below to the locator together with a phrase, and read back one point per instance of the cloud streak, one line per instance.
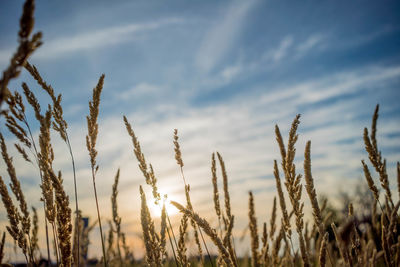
(220, 38)
(95, 39)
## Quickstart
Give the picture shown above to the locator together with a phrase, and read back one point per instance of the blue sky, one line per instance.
(223, 73)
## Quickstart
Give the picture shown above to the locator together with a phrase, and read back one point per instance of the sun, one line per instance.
(155, 209)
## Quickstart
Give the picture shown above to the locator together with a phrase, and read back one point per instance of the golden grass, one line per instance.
(327, 240)
(27, 45)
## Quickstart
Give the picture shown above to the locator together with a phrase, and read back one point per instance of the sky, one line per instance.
(223, 73)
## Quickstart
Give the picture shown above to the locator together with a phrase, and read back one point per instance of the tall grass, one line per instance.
(328, 239)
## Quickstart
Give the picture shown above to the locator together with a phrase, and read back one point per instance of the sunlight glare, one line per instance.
(155, 209)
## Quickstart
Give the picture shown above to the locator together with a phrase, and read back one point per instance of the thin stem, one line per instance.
(119, 250)
(55, 242)
(170, 239)
(291, 244)
(76, 197)
(204, 242)
(47, 235)
(26, 258)
(329, 255)
(234, 250)
(98, 218)
(386, 215)
(41, 180)
(30, 249)
(201, 233)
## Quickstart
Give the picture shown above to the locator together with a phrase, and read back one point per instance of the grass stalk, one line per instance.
(76, 199)
(99, 218)
(178, 157)
(91, 139)
(170, 239)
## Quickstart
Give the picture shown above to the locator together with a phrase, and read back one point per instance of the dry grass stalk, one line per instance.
(14, 116)
(264, 257)
(354, 236)
(110, 243)
(398, 177)
(151, 240)
(393, 224)
(323, 250)
(15, 230)
(225, 183)
(2, 243)
(178, 157)
(397, 251)
(147, 171)
(32, 100)
(16, 187)
(292, 182)
(22, 152)
(178, 154)
(60, 126)
(92, 125)
(193, 223)
(385, 246)
(138, 151)
(228, 240)
(282, 203)
(116, 218)
(276, 246)
(150, 178)
(77, 256)
(375, 156)
(273, 221)
(18, 193)
(64, 224)
(27, 45)
(255, 257)
(341, 245)
(209, 231)
(163, 239)
(35, 232)
(370, 181)
(217, 205)
(181, 252)
(307, 236)
(317, 213)
(91, 138)
(45, 159)
(311, 190)
(229, 217)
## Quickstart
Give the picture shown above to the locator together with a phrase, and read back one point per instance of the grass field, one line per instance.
(367, 237)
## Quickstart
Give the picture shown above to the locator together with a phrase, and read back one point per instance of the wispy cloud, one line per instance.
(139, 90)
(362, 39)
(231, 71)
(83, 41)
(278, 53)
(331, 86)
(310, 43)
(218, 41)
